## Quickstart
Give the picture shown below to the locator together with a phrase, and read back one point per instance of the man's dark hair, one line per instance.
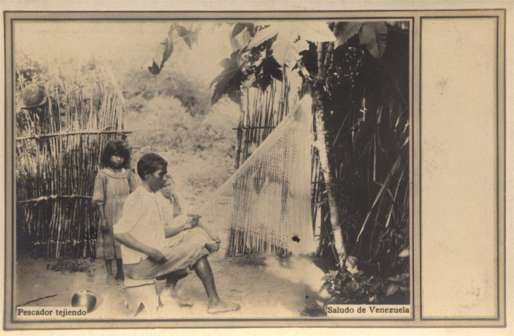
(115, 147)
(149, 164)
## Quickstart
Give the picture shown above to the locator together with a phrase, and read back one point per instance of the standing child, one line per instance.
(113, 183)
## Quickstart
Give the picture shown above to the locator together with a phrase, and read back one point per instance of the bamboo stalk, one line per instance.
(321, 145)
(72, 133)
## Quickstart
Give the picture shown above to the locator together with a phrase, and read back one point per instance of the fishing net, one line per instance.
(268, 199)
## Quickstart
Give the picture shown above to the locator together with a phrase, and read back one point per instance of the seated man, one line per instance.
(155, 245)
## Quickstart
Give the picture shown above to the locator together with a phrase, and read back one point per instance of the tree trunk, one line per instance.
(321, 145)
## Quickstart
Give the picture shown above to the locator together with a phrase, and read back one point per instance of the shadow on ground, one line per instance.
(262, 287)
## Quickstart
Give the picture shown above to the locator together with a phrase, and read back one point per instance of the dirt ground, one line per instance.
(256, 285)
(264, 287)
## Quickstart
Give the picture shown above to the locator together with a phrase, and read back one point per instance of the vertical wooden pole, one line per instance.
(321, 145)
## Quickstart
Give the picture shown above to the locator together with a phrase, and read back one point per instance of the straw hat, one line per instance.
(33, 95)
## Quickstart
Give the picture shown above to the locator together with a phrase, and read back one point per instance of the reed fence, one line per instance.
(58, 147)
(261, 112)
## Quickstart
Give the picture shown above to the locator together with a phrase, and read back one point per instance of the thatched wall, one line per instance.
(58, 146)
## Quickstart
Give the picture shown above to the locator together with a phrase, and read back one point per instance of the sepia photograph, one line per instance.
(212, 169)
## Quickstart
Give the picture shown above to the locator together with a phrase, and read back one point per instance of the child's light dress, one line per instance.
(110, 191)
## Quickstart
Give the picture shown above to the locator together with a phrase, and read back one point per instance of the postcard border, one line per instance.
(500, 189)
(416, 321)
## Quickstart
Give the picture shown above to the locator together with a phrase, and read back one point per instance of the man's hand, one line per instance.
(192, 220)
(157, 256)
(167, 192)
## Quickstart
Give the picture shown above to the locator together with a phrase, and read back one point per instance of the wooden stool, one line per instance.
(141, 295)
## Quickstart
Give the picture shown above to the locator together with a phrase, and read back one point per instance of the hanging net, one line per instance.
(268, 199)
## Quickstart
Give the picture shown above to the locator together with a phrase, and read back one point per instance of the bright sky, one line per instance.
(131, 45)
(126, 45)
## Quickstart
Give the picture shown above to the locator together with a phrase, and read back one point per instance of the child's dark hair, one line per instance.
(149, 164)
(115, 147)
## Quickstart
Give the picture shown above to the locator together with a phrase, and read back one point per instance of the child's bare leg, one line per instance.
(108, 266)
(119, 270)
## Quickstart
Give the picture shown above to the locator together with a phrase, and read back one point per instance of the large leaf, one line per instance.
(268, 70)
(262, 36)
(242, 26)
(166, 49)
(307, 63)
(229, 81)
(188, 33)
(289, 52)
(291, 38)
(372, 35)
(176, 32)
(344, 31)
(154, 68)
(241, 35)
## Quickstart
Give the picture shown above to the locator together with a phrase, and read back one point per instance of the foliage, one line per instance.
(242, 33)
(371, 35)
(289, 39)
(363, 86)
(164, 123)
(348, 288)
(27, 71)
(140, 87)
(199, 148)
(176, 32)
(254, 66)
(262, 51)
(367, 125)
(229, 81)
(251, 64)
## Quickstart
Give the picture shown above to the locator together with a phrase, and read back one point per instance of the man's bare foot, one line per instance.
(222, 307)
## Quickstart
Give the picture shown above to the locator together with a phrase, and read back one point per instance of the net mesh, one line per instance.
(268, 199)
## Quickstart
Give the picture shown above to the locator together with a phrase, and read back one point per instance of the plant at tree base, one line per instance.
(349, 288)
